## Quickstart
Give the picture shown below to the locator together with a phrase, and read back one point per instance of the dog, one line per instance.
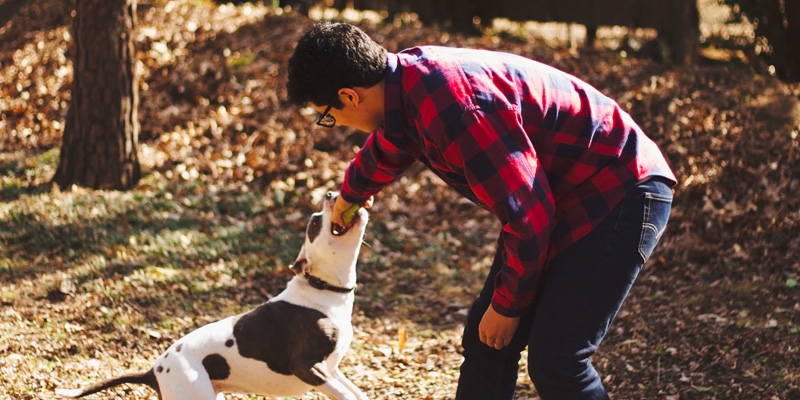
(287, 346)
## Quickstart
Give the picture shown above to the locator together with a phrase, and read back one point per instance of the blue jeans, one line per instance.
(581, 294)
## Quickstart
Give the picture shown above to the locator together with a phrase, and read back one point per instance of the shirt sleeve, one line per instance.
(503, 170)
(380, 161)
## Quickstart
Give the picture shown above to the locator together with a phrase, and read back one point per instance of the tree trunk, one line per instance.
(683, 40)
(792, 11)
(8, 9)
(99, 148)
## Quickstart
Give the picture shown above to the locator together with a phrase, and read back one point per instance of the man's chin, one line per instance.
(375, 128)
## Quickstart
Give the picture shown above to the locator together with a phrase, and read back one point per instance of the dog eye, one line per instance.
(314, 227)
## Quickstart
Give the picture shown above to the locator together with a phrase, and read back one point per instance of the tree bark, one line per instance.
(792, 11)
(8, 9)
(100, 141)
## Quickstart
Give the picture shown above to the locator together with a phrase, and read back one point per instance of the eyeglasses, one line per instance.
(325, 119)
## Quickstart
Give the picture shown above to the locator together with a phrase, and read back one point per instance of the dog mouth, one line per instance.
(339, 230)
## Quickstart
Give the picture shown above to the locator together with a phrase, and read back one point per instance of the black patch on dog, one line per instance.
(314, 227)
(166, 355)
(290, 339)
(217, 367)
(178, 349)
(229, 343)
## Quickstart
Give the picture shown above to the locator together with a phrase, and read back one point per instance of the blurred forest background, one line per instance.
(171, 188)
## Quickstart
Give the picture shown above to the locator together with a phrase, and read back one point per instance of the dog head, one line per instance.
(327, 255)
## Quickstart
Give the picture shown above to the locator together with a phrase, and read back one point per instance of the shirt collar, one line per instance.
(393, 97)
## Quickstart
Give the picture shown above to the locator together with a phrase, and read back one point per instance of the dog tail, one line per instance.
(145, 378)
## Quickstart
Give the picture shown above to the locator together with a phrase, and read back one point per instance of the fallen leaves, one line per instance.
(97, 279)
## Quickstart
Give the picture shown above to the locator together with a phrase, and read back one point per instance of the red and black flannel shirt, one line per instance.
(545, 152)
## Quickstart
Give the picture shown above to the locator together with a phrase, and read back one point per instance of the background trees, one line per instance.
(99, 147)
(101, 132)
(777, 21)
(231, 173)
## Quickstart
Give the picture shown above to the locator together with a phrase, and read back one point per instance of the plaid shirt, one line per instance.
(545, 152)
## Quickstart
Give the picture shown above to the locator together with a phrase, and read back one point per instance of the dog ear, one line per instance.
(300, 265)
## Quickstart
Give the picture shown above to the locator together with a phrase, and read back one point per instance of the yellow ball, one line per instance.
(347, 215)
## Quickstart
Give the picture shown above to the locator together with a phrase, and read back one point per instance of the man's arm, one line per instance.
(504, 172)
(378, 163)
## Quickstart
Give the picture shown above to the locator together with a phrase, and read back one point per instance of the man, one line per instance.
(582, 194)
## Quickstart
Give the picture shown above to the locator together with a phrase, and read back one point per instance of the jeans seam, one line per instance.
(645, 225)
(656, 196)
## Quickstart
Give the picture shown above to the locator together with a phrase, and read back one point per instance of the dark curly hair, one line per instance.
(331, 56)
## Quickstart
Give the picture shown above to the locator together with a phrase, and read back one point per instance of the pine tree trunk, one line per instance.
(8, 9)
(99, 148)
(792, 10)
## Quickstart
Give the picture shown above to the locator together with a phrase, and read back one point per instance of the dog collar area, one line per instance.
(320, 284)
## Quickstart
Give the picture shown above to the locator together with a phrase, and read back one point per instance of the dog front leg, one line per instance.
(325, 381)
(337, 390)
(338, 375)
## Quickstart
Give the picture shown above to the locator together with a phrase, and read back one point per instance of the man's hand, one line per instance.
(341, 205)
(497, 330)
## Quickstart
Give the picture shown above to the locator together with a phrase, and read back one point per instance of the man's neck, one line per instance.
(375, 102)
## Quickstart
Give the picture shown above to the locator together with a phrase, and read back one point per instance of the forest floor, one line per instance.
(95, 283)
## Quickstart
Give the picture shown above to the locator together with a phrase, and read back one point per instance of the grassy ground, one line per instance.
(96, 283)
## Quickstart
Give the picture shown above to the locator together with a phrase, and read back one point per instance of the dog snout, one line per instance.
(330, 198)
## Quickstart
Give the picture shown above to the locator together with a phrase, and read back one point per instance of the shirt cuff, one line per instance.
(497, 304)
(349, 197)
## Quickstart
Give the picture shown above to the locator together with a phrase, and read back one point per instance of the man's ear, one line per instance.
(349, 96)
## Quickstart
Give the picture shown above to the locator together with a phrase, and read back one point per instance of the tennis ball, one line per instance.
(347, 215)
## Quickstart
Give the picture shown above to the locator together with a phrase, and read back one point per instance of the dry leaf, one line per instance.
(402, 337)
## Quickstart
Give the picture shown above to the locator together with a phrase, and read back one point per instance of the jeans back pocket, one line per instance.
(656, 215)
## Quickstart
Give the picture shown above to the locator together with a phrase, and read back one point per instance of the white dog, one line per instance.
(285, 347)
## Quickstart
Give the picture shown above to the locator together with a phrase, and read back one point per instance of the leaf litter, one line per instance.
(98, 283)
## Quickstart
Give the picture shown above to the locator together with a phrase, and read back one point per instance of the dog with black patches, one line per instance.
(285, 347)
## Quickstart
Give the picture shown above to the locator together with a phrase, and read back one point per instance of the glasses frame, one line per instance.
(325, 115)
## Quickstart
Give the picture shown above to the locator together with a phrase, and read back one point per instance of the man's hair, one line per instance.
(331, 56)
